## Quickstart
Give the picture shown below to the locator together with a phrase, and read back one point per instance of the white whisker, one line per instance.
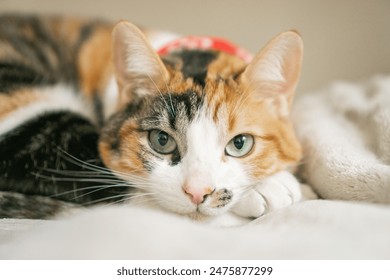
(169, 93)
(129, 177)
(94, 189)
(162, 96)
(104, 199)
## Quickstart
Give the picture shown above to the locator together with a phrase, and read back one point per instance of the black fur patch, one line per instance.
(20, 206)
(195, 64)
(34, 159)
(176, 158)
(185, 105)
(13, 76)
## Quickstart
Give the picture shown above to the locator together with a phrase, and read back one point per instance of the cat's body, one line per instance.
(49, 104)
(88, 118)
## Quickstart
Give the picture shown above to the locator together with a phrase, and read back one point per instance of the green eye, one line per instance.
(161, 142)
(240, 145)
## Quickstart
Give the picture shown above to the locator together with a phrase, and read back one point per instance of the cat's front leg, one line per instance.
(279, 190)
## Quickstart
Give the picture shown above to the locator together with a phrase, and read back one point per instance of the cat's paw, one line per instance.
(279, 190)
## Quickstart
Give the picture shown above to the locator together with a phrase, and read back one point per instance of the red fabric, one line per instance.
(206, 43)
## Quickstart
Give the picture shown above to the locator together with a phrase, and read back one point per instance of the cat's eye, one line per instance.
(240, 145)
(162, 142)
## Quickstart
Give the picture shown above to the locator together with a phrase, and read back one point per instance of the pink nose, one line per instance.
(198, 195)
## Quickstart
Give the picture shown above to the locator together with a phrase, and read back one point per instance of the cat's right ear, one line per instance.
(138, 68)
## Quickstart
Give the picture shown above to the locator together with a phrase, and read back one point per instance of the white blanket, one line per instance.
(345, 130)
(316, 229)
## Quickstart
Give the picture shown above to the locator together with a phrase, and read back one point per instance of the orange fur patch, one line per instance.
(65, 27)
(127, 159)
(224, 67)
(178, 84)
(16, 100)
(276, 146)
(94, 62)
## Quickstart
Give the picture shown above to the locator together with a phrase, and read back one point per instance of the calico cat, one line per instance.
(91, 113)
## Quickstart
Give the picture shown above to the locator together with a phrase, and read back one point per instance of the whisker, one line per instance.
(79, 173)
(52, 178)
(243, 98)
(81, 163)
(134, 182)
(125, 197)
(103, 199)
(94, 188)
(76, 161)
(162, 96)
(169, 93)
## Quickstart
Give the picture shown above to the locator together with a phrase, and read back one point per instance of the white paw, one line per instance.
(279, 190)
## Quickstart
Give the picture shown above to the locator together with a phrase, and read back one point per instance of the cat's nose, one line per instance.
(198, 195)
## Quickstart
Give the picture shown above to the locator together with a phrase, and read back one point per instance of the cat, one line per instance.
(91, 113)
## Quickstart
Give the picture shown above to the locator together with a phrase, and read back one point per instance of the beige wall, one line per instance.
(344, 39)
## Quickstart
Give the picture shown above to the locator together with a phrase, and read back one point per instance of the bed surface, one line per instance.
(316, 229)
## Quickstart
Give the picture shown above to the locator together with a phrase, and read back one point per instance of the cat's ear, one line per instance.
(275, 70)
(138, 68)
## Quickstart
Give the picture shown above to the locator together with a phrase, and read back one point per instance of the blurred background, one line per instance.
(344, 39)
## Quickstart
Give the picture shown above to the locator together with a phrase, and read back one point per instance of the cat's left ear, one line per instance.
(138, 68)
(275, 70)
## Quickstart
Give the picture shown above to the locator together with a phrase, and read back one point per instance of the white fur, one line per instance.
(53, 98)
(203, 163)
(277, 191)
(110, 98)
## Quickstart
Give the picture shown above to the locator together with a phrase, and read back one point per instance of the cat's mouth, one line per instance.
(214, 204)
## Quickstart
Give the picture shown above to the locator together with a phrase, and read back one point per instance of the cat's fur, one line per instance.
(60, 108)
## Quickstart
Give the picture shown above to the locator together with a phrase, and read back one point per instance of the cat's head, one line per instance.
(195, 129)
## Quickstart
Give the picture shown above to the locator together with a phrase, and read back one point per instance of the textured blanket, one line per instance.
(345, 131)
